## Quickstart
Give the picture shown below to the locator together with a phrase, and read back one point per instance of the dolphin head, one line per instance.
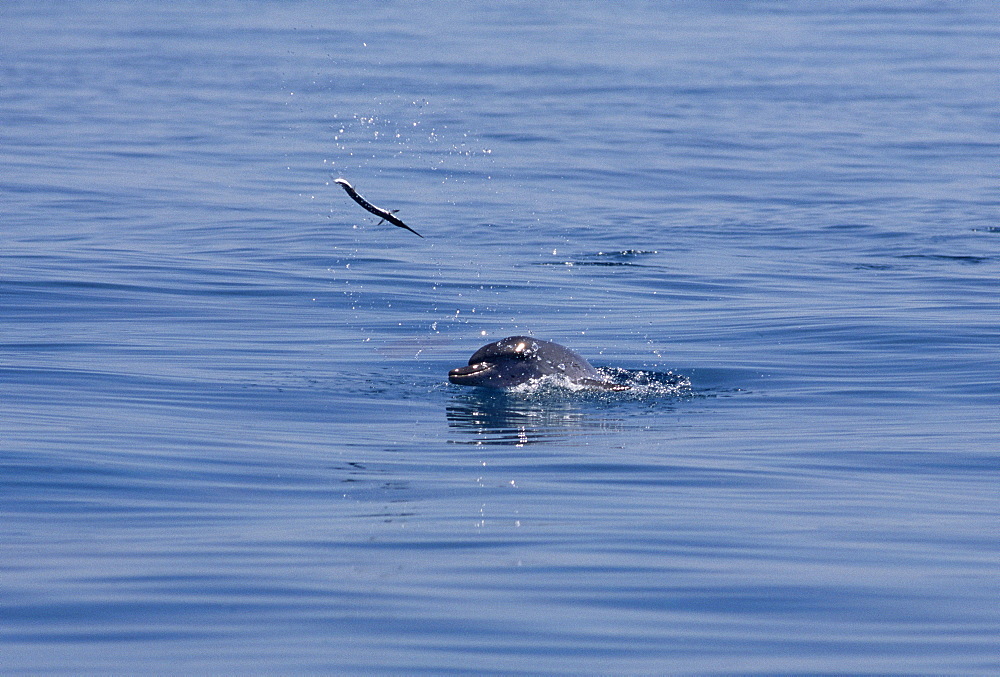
(503, 364)
(515, 360)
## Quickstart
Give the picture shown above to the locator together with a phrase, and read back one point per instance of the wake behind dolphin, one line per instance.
(515, 360)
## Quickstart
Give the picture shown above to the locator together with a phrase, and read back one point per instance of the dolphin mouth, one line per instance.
(470, 374)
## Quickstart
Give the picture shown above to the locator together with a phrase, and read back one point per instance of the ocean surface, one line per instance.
(227, 440)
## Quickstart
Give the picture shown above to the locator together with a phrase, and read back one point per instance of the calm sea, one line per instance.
(227, 439)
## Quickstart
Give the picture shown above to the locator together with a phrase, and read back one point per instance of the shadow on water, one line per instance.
(547, 411)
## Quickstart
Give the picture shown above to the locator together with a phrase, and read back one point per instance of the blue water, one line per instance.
(227, 439)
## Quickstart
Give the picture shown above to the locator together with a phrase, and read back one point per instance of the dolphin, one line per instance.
(515, 360)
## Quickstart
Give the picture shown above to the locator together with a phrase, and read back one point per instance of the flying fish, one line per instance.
(383, 214)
